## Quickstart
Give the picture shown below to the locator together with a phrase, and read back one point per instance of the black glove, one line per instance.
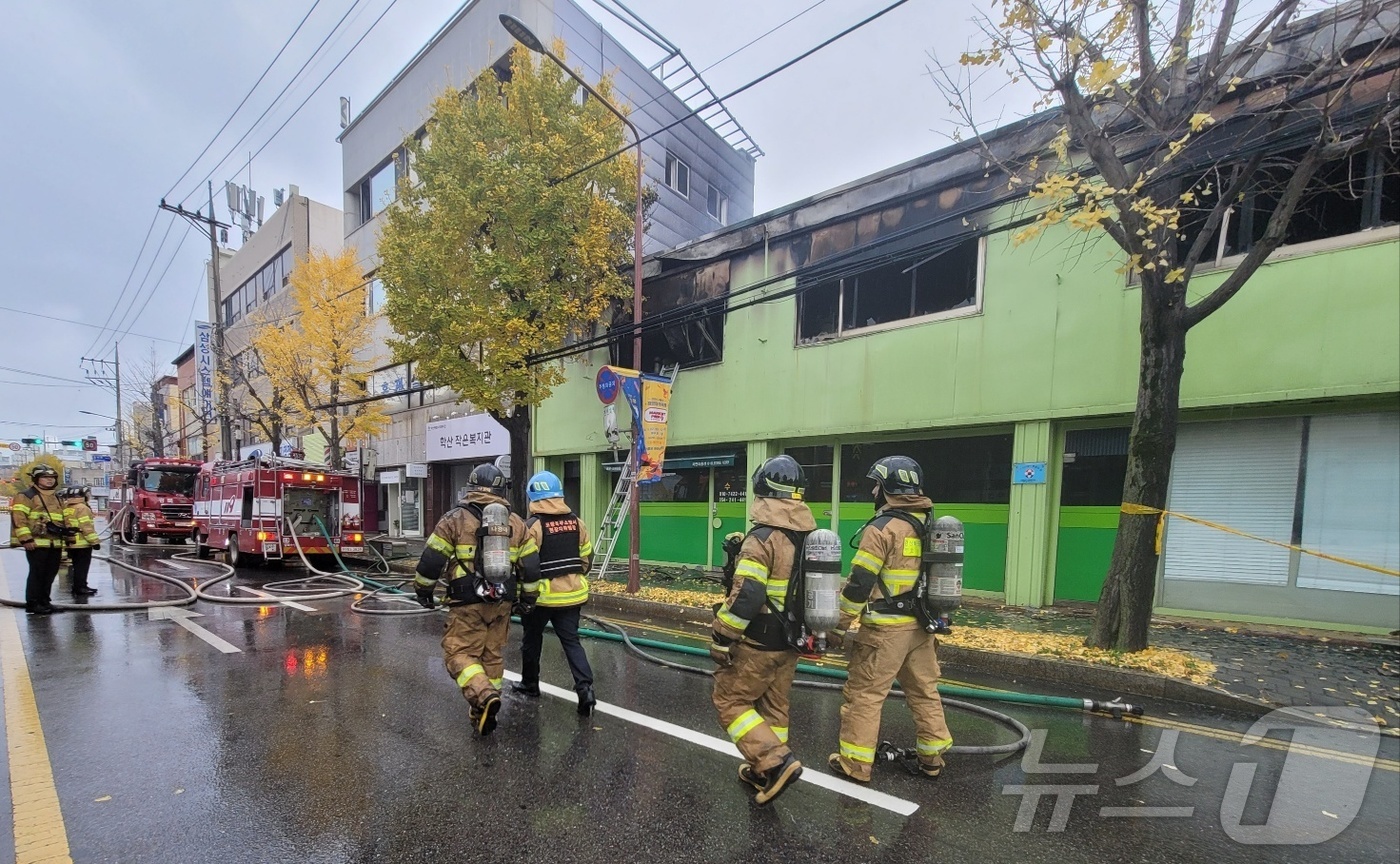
(720, 650)
(525, 604)
(96, 546)
(425, 598)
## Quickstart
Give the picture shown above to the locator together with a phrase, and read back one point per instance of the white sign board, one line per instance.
(476, 436)
(204, 368)
(416, 469)
(389, 478)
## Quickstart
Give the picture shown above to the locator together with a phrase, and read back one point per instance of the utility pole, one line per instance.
(97, 373)
(198, 218)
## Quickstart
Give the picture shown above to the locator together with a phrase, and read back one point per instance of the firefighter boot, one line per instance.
(586, 700)
(750, 776)
(932, 766)
(486, 719)
(775, 780)
(526, 688)
(834, 763)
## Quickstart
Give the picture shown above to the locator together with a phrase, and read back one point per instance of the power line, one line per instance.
(274, 101)
(735, 92)
(244, 101)
(132, 272)
(41, 375)
(53, 425)
(103, 340)
(278, 131)
(159, 280)
(79, 323)
(39, 384)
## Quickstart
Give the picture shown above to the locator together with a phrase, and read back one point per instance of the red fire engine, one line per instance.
(251, 509)
(157, 495)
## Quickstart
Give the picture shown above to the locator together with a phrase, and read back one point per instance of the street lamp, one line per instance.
(95, 414)
(525, 36)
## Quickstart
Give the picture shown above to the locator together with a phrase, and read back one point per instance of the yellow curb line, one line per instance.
(39, 832)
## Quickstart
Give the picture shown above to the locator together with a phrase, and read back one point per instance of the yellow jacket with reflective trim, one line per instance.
(79, 515)
(764, 566)
(30, 510)
(893, 551)
(570, 589)
(455, 535)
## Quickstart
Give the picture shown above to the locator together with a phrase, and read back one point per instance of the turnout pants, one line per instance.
(751, 696)
(81, 560)
(471, 648)
(878, 656)
(43, 569)
(565, 621)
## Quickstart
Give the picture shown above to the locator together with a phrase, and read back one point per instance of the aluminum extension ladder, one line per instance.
(616, 511)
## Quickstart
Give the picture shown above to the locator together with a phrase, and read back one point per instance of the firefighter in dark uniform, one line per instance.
(85, 540)
(890, 644)
(554, 564)
(754, 661)
(38, 523)
(478, 621)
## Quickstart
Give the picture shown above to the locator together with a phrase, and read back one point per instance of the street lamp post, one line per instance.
(525, 36)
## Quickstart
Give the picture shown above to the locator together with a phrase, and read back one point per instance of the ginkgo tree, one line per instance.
(1161, 117)
(319, 358)
(486, 257)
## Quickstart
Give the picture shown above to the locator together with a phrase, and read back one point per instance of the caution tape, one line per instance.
(1144, 510)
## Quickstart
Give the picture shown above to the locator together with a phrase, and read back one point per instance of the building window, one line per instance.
(1095, 463)
(1354, 193)
(267, 281)
(717, 203)
(374, 295)
(924, 285)
(971, 470)
(817, 464)
(677, 174)
(378, 190)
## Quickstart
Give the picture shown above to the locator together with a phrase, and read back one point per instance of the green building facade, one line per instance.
(896, 314)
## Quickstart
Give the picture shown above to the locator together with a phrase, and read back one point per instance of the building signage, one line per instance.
(389, 478)
(476, 436)
(97, 457)
(1027, 473)
(204, 368)
(654, 410)
(416, 469)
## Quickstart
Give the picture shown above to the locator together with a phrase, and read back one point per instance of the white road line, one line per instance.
(274, 598)
(182, 617)
(719, 745)
(176, 564)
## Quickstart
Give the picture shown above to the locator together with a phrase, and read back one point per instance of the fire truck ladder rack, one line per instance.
(278, 462)
(617, 508)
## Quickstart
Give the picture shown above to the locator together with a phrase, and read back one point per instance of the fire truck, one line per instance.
(157, 497)
(253, 509)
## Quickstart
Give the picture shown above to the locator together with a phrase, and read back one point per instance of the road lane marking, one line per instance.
(1235, 737)
(720, 745)
(39, 831)
(275, 599)
(182, 617)
(176, 564)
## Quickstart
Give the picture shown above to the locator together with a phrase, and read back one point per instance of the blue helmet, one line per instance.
(544, 485)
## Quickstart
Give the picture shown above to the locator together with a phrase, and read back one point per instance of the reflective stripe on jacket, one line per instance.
(542, 555)
(79, 515)
(29, 513)
(886, 564)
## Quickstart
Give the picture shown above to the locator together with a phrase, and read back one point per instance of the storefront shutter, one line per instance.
(1351, 502)
(1241, 474)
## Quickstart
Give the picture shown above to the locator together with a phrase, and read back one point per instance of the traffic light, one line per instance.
(71, 443)
(37, 442)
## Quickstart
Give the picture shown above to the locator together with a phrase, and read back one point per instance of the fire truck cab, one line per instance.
(261, 510)
(156, 498)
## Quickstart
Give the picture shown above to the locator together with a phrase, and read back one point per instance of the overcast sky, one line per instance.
(105, 104)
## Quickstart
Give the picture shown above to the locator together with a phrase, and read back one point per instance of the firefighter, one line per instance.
(888, 646)
(754, 659)
(478, 615)
(84, 542)
(554, 562)
(38, 521)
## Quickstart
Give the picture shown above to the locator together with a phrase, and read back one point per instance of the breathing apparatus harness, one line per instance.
(933, 612)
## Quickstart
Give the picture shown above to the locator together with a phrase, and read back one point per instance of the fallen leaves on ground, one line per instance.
(1161, 661)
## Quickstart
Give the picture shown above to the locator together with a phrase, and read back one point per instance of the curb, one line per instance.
(1014, 666)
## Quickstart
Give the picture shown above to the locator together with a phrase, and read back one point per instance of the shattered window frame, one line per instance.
(846, 292)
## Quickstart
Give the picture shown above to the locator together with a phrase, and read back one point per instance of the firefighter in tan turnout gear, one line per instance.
(891, 643)
(471, 545)
(755, 660)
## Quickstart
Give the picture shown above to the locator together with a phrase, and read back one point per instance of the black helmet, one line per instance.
(42, 470)
(486, 478)
(780, 477)
(898, 475)
(71, 492)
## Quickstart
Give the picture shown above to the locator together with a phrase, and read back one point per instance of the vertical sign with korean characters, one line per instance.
(204, 368)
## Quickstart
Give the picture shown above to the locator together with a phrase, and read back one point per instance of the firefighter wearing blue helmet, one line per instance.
(554, 562)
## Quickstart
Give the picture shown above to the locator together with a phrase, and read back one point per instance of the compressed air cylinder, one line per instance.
(945, 565)
(495, 543)
(821, 575)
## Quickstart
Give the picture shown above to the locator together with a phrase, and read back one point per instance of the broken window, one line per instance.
(1351, 194)
(693, 302)
(914, 286)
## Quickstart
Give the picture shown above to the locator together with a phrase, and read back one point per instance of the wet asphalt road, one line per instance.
(335, 737)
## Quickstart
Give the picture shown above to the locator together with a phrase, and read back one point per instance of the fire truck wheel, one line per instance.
(132, 534)
(201, 551)
(239, 558)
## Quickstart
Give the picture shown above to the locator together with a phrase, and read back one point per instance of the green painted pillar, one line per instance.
(758, 453)
(593, 490)
(1030, 541)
